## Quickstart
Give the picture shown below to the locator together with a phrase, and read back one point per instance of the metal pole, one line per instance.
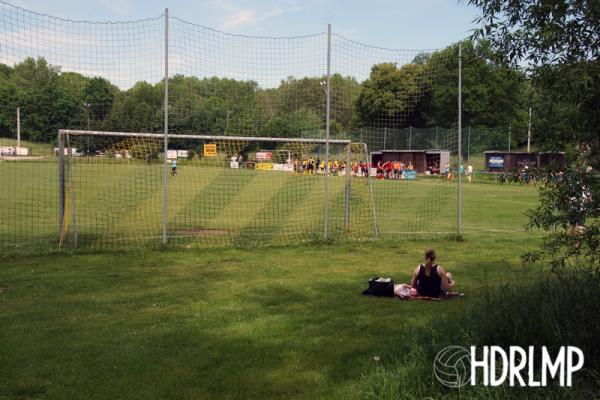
(529, 132)
(437, 143)
(347, 208)
(166, 128)
(459, 213)
(373, 212)
(61, 187)
(410, 138)
(18, 126)
(509, 135)
(72, 189)
(328, 111)
(384, 137)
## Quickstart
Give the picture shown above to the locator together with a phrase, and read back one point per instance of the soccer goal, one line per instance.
(120, 190)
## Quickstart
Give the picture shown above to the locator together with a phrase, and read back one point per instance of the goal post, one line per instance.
(220, 189)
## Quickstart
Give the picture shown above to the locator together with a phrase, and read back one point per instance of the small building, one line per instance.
(422, 160)
(497, 161)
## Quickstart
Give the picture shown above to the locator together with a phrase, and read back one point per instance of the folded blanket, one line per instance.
(448, 295)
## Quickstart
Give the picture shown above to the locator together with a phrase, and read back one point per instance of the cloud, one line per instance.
(240, 18)
(237, 17)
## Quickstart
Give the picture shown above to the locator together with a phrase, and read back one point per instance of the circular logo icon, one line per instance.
(452, 366)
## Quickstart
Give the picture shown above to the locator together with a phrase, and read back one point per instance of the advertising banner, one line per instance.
(210, 150)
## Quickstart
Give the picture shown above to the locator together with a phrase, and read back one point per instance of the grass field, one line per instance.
(118, 204)
(277, 322)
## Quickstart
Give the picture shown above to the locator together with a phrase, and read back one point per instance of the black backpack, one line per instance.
(380, 287)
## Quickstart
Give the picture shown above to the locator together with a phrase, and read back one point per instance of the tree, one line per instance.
(99, 95)
(390, 94)
(558, 39)
(46, 105)
(494, 95)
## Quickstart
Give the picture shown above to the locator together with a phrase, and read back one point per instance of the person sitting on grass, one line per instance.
(428, 280)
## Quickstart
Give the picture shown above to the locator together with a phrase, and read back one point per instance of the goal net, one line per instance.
(220, 190)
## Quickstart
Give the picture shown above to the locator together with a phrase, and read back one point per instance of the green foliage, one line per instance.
(35, 87)
(391, 97)
(562, 201)
(494, 95)
(559, 39)
(390, 93)
(99, 96)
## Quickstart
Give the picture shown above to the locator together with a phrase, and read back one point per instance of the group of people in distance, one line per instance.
(312, 167)
(461, 170)
(392, 169)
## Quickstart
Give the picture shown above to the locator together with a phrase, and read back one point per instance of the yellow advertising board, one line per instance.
(264, 166)
(210, 150)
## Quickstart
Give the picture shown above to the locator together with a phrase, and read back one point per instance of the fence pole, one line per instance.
(327, 116)
(437, 143)
(18, 126)
(509, 135)
(347, 208)
(384, 137)
(166, 129)
(61, 187)
(410, 138)
(459, 211)
(373, 212)
(72, 189)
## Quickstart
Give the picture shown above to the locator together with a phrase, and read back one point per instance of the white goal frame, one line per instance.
(65, 176)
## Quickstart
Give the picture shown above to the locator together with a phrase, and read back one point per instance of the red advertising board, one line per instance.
(264, 155)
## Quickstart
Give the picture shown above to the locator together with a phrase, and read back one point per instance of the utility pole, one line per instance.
(529, 132)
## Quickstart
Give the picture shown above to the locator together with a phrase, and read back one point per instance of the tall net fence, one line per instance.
(247, 125)
(379, 101)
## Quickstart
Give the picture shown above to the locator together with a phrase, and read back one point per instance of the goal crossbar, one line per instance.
(74, 132)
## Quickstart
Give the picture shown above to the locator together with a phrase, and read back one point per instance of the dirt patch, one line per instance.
(200, 232)
(3, 289)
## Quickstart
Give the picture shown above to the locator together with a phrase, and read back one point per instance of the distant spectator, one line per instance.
(469, 172)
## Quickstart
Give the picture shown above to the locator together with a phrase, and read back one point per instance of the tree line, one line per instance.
(422, 93)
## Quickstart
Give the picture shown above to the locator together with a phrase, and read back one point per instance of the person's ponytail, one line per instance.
(429, 255)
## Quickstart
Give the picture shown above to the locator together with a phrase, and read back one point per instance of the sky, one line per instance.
(399, 24)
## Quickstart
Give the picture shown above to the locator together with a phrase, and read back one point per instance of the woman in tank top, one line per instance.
(429, 279)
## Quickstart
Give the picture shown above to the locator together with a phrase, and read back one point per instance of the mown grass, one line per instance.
(118, 204)
(247, 322)
(284, 322)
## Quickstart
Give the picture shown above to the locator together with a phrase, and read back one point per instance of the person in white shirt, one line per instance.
(469, 172)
